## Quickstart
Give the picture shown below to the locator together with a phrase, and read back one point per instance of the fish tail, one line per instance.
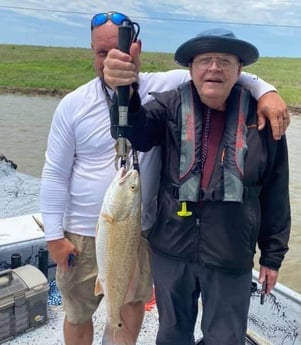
(117, 335)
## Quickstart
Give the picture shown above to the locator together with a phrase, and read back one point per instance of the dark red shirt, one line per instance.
(216, 128)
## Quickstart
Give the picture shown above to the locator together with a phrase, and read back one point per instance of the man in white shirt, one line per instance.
(80, 164)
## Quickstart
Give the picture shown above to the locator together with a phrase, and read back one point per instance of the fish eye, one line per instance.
(133, 187)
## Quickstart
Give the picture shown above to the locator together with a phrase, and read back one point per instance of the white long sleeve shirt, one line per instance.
(80, 156)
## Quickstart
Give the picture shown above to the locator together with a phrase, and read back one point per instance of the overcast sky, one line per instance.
(274, 26)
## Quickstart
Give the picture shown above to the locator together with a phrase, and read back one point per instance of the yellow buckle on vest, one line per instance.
(183, 212)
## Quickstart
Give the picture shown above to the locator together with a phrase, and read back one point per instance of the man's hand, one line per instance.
(121, 68)
(270, 276)
(60, 250)
(271, 106)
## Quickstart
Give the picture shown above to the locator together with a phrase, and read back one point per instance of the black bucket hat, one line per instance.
(216, 40)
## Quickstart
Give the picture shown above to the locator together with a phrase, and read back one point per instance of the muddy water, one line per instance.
(24, 125)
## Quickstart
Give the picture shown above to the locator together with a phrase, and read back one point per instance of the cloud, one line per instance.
(278, 12)
(164, 24)
(265, 12)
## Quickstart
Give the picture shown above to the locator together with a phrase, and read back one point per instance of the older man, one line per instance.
(224, 187)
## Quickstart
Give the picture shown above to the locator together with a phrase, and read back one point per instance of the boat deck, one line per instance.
(51, 333)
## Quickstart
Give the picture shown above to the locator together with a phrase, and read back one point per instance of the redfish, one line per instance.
(117, 241)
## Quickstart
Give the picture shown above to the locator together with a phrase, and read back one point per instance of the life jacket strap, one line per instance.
(249, 192)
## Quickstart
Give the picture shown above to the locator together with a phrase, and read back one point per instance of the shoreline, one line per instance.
(34, 92)
(295, 110)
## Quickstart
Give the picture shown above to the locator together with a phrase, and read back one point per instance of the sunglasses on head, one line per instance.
(117, 19)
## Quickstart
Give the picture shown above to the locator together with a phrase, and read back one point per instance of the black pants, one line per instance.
(225, 299)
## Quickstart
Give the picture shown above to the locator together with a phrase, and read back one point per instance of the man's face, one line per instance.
(103, 39)
(214, 75)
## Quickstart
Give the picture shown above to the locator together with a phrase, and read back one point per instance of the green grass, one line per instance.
(31, 67)
(284, 74)
(28, 68)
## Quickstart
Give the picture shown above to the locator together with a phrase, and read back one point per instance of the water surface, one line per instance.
(24, 126)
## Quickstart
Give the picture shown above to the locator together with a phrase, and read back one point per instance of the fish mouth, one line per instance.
(124, 174)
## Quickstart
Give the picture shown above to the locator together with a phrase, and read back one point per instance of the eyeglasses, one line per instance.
(223, 62)
(116, 18)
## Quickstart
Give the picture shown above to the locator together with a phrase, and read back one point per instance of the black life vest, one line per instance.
(234, 147)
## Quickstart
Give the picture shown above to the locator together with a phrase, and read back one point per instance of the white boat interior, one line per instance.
(276, 322)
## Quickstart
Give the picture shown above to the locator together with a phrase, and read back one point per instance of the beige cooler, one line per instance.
(23, 300)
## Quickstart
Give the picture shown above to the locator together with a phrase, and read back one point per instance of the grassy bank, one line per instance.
(54, 70)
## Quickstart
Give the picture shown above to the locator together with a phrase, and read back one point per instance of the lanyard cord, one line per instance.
(106, 93)
(205, 139)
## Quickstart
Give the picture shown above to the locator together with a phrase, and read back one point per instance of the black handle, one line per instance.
(124, 38)
(125, 33)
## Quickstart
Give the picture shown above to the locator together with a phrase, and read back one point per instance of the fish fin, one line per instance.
(117, 336)
(98, 290)
(133, 284)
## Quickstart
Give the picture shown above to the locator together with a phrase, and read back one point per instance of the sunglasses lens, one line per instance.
(118, 18)
(101, 18)
(98, 20)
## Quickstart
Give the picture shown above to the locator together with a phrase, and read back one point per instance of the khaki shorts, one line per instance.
(76, 285)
